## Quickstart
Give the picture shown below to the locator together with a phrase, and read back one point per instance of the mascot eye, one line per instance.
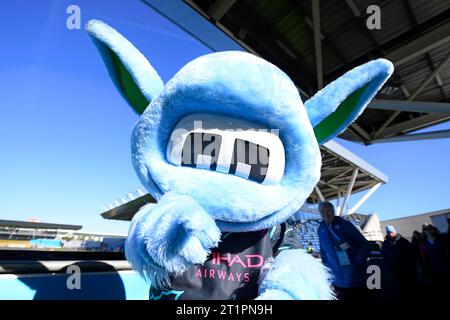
(227, 145)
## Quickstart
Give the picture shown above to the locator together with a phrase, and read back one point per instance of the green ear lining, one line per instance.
(127, 85)
(335, 120)
(132, 74)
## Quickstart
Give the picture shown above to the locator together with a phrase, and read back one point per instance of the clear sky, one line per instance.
(65, 131)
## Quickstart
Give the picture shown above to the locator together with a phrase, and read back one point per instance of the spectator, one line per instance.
(344, 251)
(399, 256)
(417, 243)
(447, 235)
(436, 260)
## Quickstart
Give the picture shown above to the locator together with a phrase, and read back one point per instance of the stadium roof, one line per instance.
(316, 45)
(127, 210)
(37, 225)
(339, 168)
(343, 173)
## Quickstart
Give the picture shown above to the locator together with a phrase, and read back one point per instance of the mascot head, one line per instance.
(230, 129)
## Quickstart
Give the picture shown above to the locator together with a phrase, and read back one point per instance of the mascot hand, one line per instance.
(295, 274)
(169, 237)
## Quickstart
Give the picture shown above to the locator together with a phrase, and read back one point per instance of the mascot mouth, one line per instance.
(227, 145)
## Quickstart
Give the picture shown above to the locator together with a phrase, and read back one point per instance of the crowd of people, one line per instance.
(419, 269)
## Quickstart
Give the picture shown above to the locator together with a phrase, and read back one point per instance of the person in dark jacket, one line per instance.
(344, 250)
(399, 256)
(436, 260)
(417, 243)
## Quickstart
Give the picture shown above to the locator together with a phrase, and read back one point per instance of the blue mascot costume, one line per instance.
(230, 152)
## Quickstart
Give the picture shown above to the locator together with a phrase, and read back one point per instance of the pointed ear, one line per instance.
(335, 107)
(130, 71)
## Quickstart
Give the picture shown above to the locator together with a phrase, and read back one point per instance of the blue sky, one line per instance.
(65, 131)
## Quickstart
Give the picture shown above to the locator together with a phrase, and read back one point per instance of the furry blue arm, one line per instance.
(296, 275)
(167, 238)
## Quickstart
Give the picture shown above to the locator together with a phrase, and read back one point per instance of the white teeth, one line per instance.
(203, 161)
(243, 170)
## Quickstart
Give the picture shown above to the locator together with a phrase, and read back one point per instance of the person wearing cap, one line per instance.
(399, 257)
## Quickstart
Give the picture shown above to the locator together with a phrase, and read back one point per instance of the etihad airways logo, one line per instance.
(235, 261)
(249, 261)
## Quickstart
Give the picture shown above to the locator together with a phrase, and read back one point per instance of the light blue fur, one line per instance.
(297, 275)
(146, 78)
(323, 103)
(170, 237)
(195, 205)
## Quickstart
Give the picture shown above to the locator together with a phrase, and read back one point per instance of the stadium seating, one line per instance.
(307, 224)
